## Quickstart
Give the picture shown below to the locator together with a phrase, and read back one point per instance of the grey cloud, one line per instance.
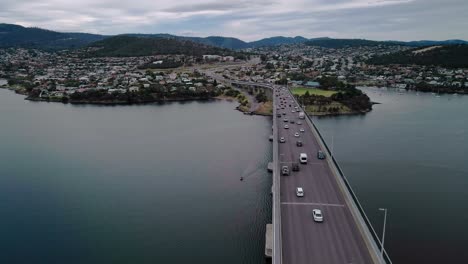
(249, 20)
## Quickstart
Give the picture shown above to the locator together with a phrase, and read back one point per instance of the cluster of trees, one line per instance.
(354, 99)
(453, 56)
(425, 87)
(350, 97)
(151, 94)
(26, 83)
(261, 97)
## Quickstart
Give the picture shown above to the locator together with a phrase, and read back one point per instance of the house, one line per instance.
(312, 84)
(134, 88)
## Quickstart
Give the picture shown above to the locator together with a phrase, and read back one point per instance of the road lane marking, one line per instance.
(321, 204)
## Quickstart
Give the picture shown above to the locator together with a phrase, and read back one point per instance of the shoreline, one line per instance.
(121, 103)
(435, 90)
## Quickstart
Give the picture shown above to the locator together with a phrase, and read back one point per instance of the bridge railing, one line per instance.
(353, 195)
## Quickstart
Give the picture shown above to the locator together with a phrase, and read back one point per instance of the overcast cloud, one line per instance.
(248, 20)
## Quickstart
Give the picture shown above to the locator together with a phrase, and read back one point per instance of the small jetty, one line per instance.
(269, 241)
(270, 166)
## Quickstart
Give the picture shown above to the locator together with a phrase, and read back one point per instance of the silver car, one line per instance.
(318, 217)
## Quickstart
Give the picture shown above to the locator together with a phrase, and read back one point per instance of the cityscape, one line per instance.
(249, 139)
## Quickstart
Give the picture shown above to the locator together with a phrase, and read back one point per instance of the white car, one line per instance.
(282, 140)
(303, 158)
(292, 111)
(299, 122)
(296, 135)
(286, 126)
(299, 192)
(302, 130)
(318, 217)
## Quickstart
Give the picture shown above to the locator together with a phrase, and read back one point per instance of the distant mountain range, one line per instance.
(19, 36)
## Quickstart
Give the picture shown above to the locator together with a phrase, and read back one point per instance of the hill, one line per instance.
(130, 46)
(274, 41)
(345, 43)
(425, 43)
(452, 56)
(18, 36)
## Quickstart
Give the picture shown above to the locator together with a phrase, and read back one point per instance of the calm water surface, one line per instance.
(409, 155)
(160, 183)
(132, 184)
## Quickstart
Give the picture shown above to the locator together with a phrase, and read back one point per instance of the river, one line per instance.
(409, 155)
(154, 183)
(159, 183)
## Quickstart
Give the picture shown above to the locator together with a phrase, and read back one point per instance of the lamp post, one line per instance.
(383, 232)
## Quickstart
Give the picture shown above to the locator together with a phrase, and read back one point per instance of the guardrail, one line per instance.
(277, 248)
(353, 195)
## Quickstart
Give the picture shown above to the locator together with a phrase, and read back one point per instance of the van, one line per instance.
(299, 192)
(320, 155)
(303, 158)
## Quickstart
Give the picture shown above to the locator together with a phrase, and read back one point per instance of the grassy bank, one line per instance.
(312, 91)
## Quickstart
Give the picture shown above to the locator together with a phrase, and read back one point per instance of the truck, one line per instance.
(301, 115)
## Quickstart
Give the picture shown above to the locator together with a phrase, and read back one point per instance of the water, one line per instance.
(408, 155)
(132, 184)
(160, 183)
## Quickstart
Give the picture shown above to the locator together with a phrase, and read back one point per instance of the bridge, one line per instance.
(346, 235)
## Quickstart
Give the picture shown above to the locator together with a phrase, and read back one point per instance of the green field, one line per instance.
(303, 90)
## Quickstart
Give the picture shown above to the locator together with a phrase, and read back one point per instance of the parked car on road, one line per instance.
(285, 171)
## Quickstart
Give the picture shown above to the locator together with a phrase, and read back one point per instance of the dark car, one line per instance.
(295, 167)
(285, 170)
(320, 155)
(299, 143)
(291, 121)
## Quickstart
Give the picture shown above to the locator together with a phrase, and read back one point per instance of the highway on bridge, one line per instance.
(337, 239)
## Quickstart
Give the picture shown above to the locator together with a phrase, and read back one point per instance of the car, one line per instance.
(320, 154)
(292, 121)
(293, 111)
(286, 126)
(299, 143)
(299, 123)
(285, 170)
(296, 134)
(302, 130)
(303, 158)
(299, 192)
(278, 115)
(285, 120)
(284, 113)
(295, 167)
(317, 214)
(282, 140)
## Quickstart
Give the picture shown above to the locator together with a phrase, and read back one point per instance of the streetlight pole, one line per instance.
(383, 232)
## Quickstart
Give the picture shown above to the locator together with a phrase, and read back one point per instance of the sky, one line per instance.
(248, 20)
